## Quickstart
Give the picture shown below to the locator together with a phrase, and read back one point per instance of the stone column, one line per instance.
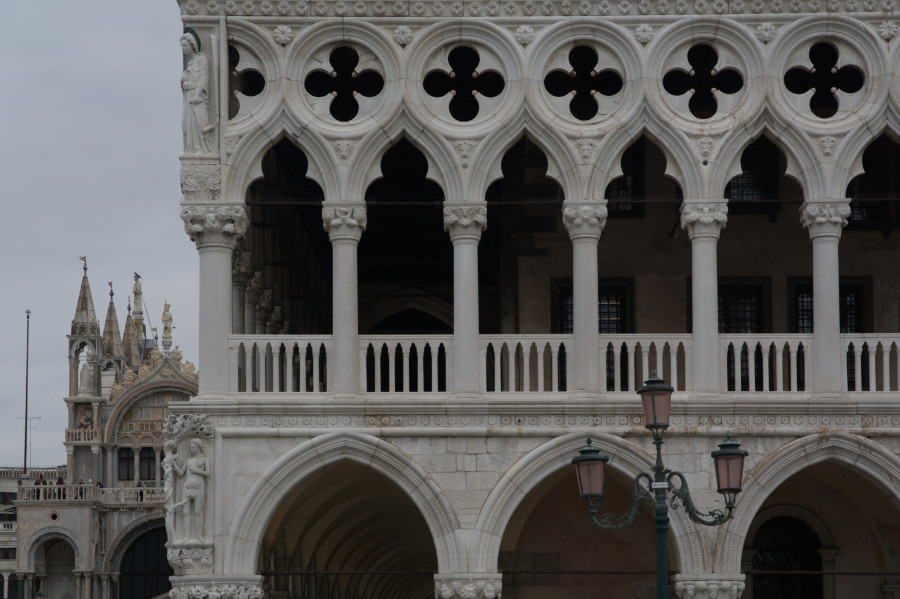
(5, 584)
(241, 269)
(709, 586)
(215, 230)
(585, 223)
(137, 464)
(251, 298)
(704, 220)
(825, 219)
(345, 225)
(465, 223)
(468, 586)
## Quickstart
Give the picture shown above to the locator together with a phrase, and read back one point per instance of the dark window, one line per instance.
(126, 463)
(786, 544)
(643, 180)
(762, 186)
(615, 307)
(147, 464)
(876, 193)
(742, 308)
(855, 315)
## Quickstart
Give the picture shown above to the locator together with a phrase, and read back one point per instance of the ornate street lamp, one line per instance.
(590, 464)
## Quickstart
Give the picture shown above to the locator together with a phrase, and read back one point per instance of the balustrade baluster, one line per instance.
(392, 370)
(420, 373)
(617, 367)
(857, 366)
(378, 351)
(526, 367)
(317, 357)
(405, 359)
(873, 354)
(554, 371)
(793, 355)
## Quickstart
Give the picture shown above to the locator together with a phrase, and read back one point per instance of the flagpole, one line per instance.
(27, 341)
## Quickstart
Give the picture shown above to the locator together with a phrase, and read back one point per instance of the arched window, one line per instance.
(145, 571)
(147, 464)
(787, 544)
(126, 463)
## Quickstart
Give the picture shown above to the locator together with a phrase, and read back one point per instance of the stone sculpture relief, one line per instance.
(195, 123)
(190, 511)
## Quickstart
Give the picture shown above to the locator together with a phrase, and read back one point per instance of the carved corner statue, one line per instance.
(168, 465)
(189, 512)
(195, 85)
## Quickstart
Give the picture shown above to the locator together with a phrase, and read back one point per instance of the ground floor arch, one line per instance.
(401, 478)
(546, 476)
(833, 526)
(348, 531)
(54, 562)
(551, 550)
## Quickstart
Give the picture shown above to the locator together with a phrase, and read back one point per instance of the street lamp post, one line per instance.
(590, 465)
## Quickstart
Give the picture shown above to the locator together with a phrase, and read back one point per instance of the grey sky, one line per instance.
(90, 134)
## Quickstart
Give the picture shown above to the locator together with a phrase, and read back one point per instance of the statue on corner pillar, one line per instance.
(195, 123)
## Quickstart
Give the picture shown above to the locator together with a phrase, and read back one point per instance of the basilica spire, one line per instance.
(130, 343)
(112, 341)
(85, 321)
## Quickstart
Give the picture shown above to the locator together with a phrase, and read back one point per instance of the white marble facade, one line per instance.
(461, 469)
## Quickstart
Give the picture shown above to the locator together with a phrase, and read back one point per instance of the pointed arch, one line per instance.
(261, 502)
(532, 469)
(869, 459)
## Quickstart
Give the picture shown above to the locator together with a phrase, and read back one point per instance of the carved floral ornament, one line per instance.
(201, 182)
(526, 8)
(709, 589)
(216, 591)
(704, 219)
(465, 222)
(344, 221)
(467, 589)
(824, 218)
(215, 222)
(587, 220)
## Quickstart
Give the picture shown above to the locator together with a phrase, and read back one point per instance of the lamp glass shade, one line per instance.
(729, 462)
(590, 465)
(656, 400)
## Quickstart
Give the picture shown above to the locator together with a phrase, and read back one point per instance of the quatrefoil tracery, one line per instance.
(343, 83)
(703, 81)
(247, 82)
(583, 82)
(464, 83)
(824, 78)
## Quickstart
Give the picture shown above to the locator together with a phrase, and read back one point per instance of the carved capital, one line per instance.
(254, 288)
(344, 222)
(214, 225)
(465, 221)
(709, 589)
(190, 560)
(227, 590)
(704, 219)
(584, 221)
(467, 587)
(241, 268)
(201, 182)
(825, 219)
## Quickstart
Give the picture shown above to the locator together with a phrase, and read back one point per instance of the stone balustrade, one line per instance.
(539, 364)
(82, 436)
(80, 493)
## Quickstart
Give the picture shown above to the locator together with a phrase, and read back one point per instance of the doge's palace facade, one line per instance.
(441, 242)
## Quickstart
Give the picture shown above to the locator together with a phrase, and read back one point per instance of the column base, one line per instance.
(478, 585)
(709, 586)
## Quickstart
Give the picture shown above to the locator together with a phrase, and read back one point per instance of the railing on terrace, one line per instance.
(759, 363)
(117, 495)
(48, 472)
(82, 435)
(8, 527)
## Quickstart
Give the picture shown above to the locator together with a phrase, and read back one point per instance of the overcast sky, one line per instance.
(90, 134)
